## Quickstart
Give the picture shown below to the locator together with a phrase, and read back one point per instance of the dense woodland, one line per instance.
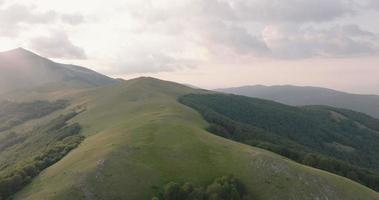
(36, 149)
(223, 188)
(340, 141)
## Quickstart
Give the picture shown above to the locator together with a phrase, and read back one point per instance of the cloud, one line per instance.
(374, 4)
(298, 11)
(16, 18)
(138, 36)
(263, 11)
(13, 18)
(355, 30)
(17, 13)
(269, 28)
(236, 38)
(154, 35)
(151, 63)
(147, 59)
(73, 19)
(288, 42)
(57, 45)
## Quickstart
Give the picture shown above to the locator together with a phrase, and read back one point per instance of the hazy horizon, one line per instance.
(209, 44)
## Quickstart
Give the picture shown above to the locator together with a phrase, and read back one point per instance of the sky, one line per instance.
(207, 43)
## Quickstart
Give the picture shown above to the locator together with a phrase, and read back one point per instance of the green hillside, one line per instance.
(139, 138)
(33, 137)
(337, 140)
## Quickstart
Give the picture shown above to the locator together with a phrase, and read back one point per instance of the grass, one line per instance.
(139, 138)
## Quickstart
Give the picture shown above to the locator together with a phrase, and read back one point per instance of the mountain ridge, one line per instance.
(309, 95)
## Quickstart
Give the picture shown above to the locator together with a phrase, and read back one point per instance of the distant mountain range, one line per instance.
(21, 69)
(299, 96)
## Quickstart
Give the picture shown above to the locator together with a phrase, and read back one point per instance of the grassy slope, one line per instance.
(139, 136)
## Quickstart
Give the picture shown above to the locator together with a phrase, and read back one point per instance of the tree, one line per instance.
(223, 188)
(173, 191)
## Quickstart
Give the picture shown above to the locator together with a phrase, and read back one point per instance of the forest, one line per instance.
(340, 141)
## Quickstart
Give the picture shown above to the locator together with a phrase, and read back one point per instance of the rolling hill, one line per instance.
(139, 137)
(128, 139)
(21, 69)
(298, 96)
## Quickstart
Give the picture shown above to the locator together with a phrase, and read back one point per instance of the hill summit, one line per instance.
(21, 69)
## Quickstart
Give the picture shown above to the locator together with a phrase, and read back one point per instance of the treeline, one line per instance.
(362, 118)
(66, 138)
(13, 113)
(230, 117)
(223, 188)
(364, 176)
(298, 154)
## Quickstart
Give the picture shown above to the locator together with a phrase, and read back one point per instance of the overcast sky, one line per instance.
(208, 43)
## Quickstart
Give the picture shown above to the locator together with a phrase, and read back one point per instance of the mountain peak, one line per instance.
(144, 78)
(18, 52)
(22, 69)
(21, 49)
